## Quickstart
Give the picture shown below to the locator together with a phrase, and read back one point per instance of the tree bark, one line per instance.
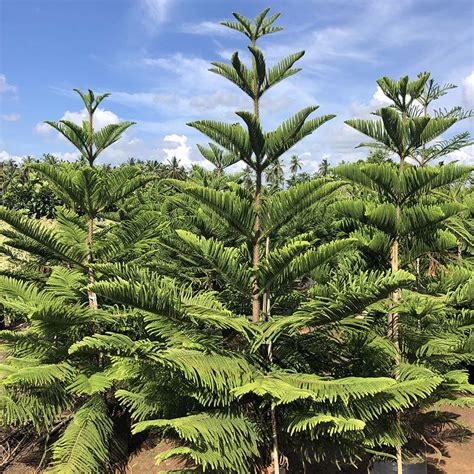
(256, 248)
(90, 272)
(275, 455)
(392, 320)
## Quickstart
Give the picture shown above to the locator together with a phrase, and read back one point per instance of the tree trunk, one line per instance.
(90, 225)
(256, 247)
(90, 272)
(275, 455)
(392, 320)
(256, 306)
(266, 304)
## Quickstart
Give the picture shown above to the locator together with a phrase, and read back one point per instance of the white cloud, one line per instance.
(187, 89)
(43, 128)
(152, 13)
(378, 100)
(220, 98)
(4, 86)
(205, 28)
(465, 156)
(468, 90)
(102, 118)
(182, 152)
(5, 156)
(11, 117)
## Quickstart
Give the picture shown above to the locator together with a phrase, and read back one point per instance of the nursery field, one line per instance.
(246, 316)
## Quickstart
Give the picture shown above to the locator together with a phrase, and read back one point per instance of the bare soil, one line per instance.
(456, 456)
(143, 462)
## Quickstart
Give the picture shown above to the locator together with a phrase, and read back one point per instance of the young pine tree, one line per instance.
(46, 385)
(396, 220)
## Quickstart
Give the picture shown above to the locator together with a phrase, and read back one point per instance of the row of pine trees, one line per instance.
(257, 328)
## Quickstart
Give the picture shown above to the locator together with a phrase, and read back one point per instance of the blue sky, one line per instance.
(153, 56)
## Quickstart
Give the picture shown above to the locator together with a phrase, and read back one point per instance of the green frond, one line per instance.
(276, 266)
(365, 290)
(217, 156)
(39, 407)
(402, 136)
(138, 234)
(120, 183)
(90, 385)
(204, 308)
(214, 441)
(324, 423)
(73, 133)
(109, 341)
(38, 375)
(373, 129)
(63, 181)
(91, 102)
(291, 132)
(345, 389)
(141, 405)
(422, 218)
(108, 135)
(403, 92)
(407, 392)
(283, 69)
(20, 295)
(255, 134)
(286, 206)
(308, 261)
(215, 372)
(46, 237)
(85, 445)
(92, 189)
(382, 178)
(231, 137)
(227, 261)
(236, 72)
(235, 210)
(260, 67)
(65, 283)
(273, 388)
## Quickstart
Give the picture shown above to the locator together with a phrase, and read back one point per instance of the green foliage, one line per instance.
(133, 309)
(83, 447)
(215, 441)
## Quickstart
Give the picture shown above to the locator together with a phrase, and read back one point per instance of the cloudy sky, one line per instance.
(153, 56)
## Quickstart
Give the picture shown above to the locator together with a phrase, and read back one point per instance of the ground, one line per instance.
(456, 457)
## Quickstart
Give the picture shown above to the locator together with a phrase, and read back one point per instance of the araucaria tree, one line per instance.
(256, 148)
(47, 385)
(397, 220)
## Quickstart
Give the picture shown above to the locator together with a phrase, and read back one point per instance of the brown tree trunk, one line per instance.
(90, 272)
(392, 320)
(256, 248)
(256, 305)
(266, 304)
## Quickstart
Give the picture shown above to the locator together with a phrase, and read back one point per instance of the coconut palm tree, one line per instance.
(295, 165)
